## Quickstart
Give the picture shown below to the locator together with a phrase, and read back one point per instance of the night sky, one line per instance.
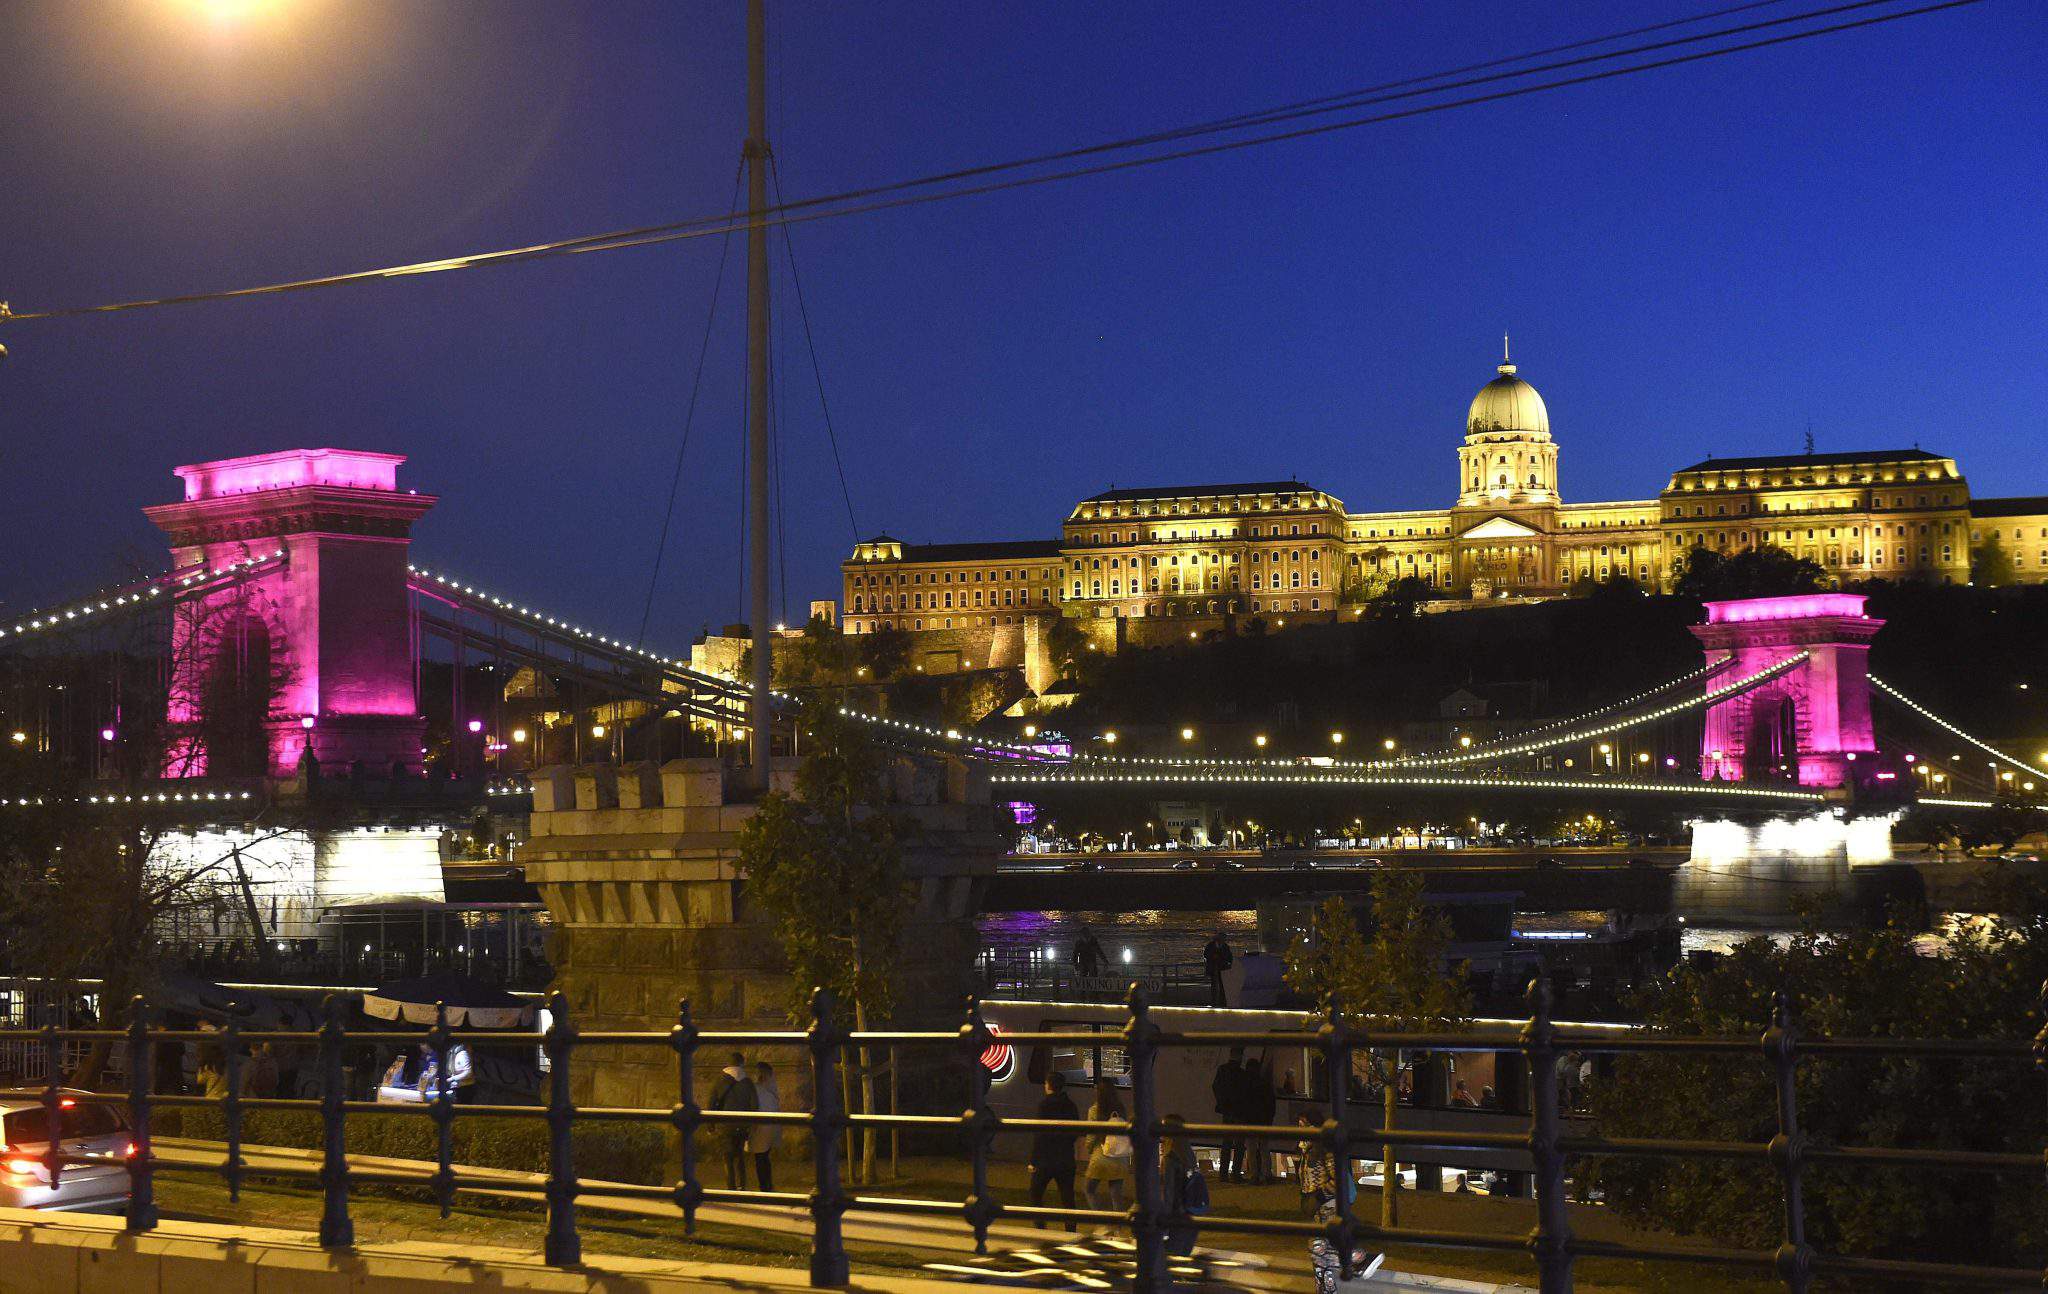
(1846, 233)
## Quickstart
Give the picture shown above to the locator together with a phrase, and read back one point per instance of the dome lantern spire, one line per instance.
(1506, 368)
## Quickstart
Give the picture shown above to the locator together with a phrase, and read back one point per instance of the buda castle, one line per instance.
(1171, 561)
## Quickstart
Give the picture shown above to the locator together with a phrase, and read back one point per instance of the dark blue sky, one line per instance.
(1847, 232)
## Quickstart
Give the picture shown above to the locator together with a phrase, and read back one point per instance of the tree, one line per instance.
(1766, 571)
(826, 867)
(1402, 598)
(91, 888)
(1981, 984)
(884, 653)
(1370, 580)
(1065, 643)
(1393, 978)
(1990, 565)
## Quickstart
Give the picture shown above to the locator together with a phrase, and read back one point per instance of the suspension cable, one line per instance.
(689, 417)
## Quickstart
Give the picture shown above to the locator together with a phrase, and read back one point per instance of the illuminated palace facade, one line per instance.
(1152, 560)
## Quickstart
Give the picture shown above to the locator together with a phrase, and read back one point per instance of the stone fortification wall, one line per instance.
(639, 867)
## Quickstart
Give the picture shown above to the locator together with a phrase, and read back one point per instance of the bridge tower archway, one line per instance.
(1811, 723)
(332, 614)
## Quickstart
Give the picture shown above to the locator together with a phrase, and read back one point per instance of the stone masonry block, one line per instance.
(693, 783)
(597, 787)
(640, 785)
(554, 789)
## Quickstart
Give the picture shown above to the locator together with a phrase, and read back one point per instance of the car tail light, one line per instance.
(128, 1151)
(66, 1103)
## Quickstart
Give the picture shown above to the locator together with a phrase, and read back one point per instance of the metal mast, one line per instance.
(756, 153)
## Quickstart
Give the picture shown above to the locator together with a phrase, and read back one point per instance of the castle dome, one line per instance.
(1507, 404)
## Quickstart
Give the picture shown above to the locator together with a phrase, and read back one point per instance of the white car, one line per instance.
(99, 1131)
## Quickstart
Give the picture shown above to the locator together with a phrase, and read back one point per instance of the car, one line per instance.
(84, 1128)
(1186, 865)
(1304, 864)
(1084, 865)
(1226, 865)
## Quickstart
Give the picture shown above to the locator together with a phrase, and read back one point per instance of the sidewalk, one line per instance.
(1018, 1254)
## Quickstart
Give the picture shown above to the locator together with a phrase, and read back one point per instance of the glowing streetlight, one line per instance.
(1187, 734)
(306, 722)
(18, 736)
(1466, 741)
(106, 734)
(1336, 739)
(518, 734)
(597, 731)
(1031, 730)
(1109, 738)
(1260, 741)
(476, 725)
(1388, 744)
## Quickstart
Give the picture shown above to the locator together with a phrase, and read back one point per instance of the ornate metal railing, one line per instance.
(1552, 1245)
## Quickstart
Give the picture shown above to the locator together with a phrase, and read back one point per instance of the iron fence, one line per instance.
(1540, 1041)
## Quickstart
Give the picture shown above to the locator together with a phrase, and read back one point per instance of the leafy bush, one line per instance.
(1874, 984)
(619, 1152)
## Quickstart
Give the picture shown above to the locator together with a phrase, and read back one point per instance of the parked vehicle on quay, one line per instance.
(98, 1131)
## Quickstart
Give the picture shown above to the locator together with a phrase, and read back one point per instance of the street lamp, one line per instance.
(1259, 741)
(1187, 734)
(1465, 740)
(1109, 738)
(597, 730)
(1336, 739)
(1388, 744)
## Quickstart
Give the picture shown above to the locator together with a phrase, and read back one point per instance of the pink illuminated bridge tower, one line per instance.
(326, 625)
(1812, 722)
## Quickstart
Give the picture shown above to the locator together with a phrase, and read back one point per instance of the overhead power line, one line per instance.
(899, 193)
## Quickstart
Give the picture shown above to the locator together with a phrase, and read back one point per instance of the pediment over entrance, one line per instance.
(1500, 528)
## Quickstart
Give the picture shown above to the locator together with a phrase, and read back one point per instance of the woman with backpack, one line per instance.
(1109, 1153)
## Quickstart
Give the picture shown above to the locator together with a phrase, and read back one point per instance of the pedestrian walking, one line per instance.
(1052, 1151)
(1216, 959)
(734, 1091)
(763, 1138)
(1316, 1177)
(1109, 1153)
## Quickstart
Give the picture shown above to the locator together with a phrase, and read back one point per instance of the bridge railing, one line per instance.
(1158, 1223)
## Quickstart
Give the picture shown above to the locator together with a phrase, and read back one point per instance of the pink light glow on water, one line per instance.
(1798, 607)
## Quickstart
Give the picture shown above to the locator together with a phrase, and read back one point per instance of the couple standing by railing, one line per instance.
(753, 1091)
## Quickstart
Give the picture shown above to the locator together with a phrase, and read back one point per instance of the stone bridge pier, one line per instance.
(1809, 724)
(320, 647)
(639, 867)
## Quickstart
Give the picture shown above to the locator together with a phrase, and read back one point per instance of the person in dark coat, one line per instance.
(734, 1091)
(1089, 958)
(1052, 1153)
(1228, 1090)
(1261, 1107)
(1216, 959)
